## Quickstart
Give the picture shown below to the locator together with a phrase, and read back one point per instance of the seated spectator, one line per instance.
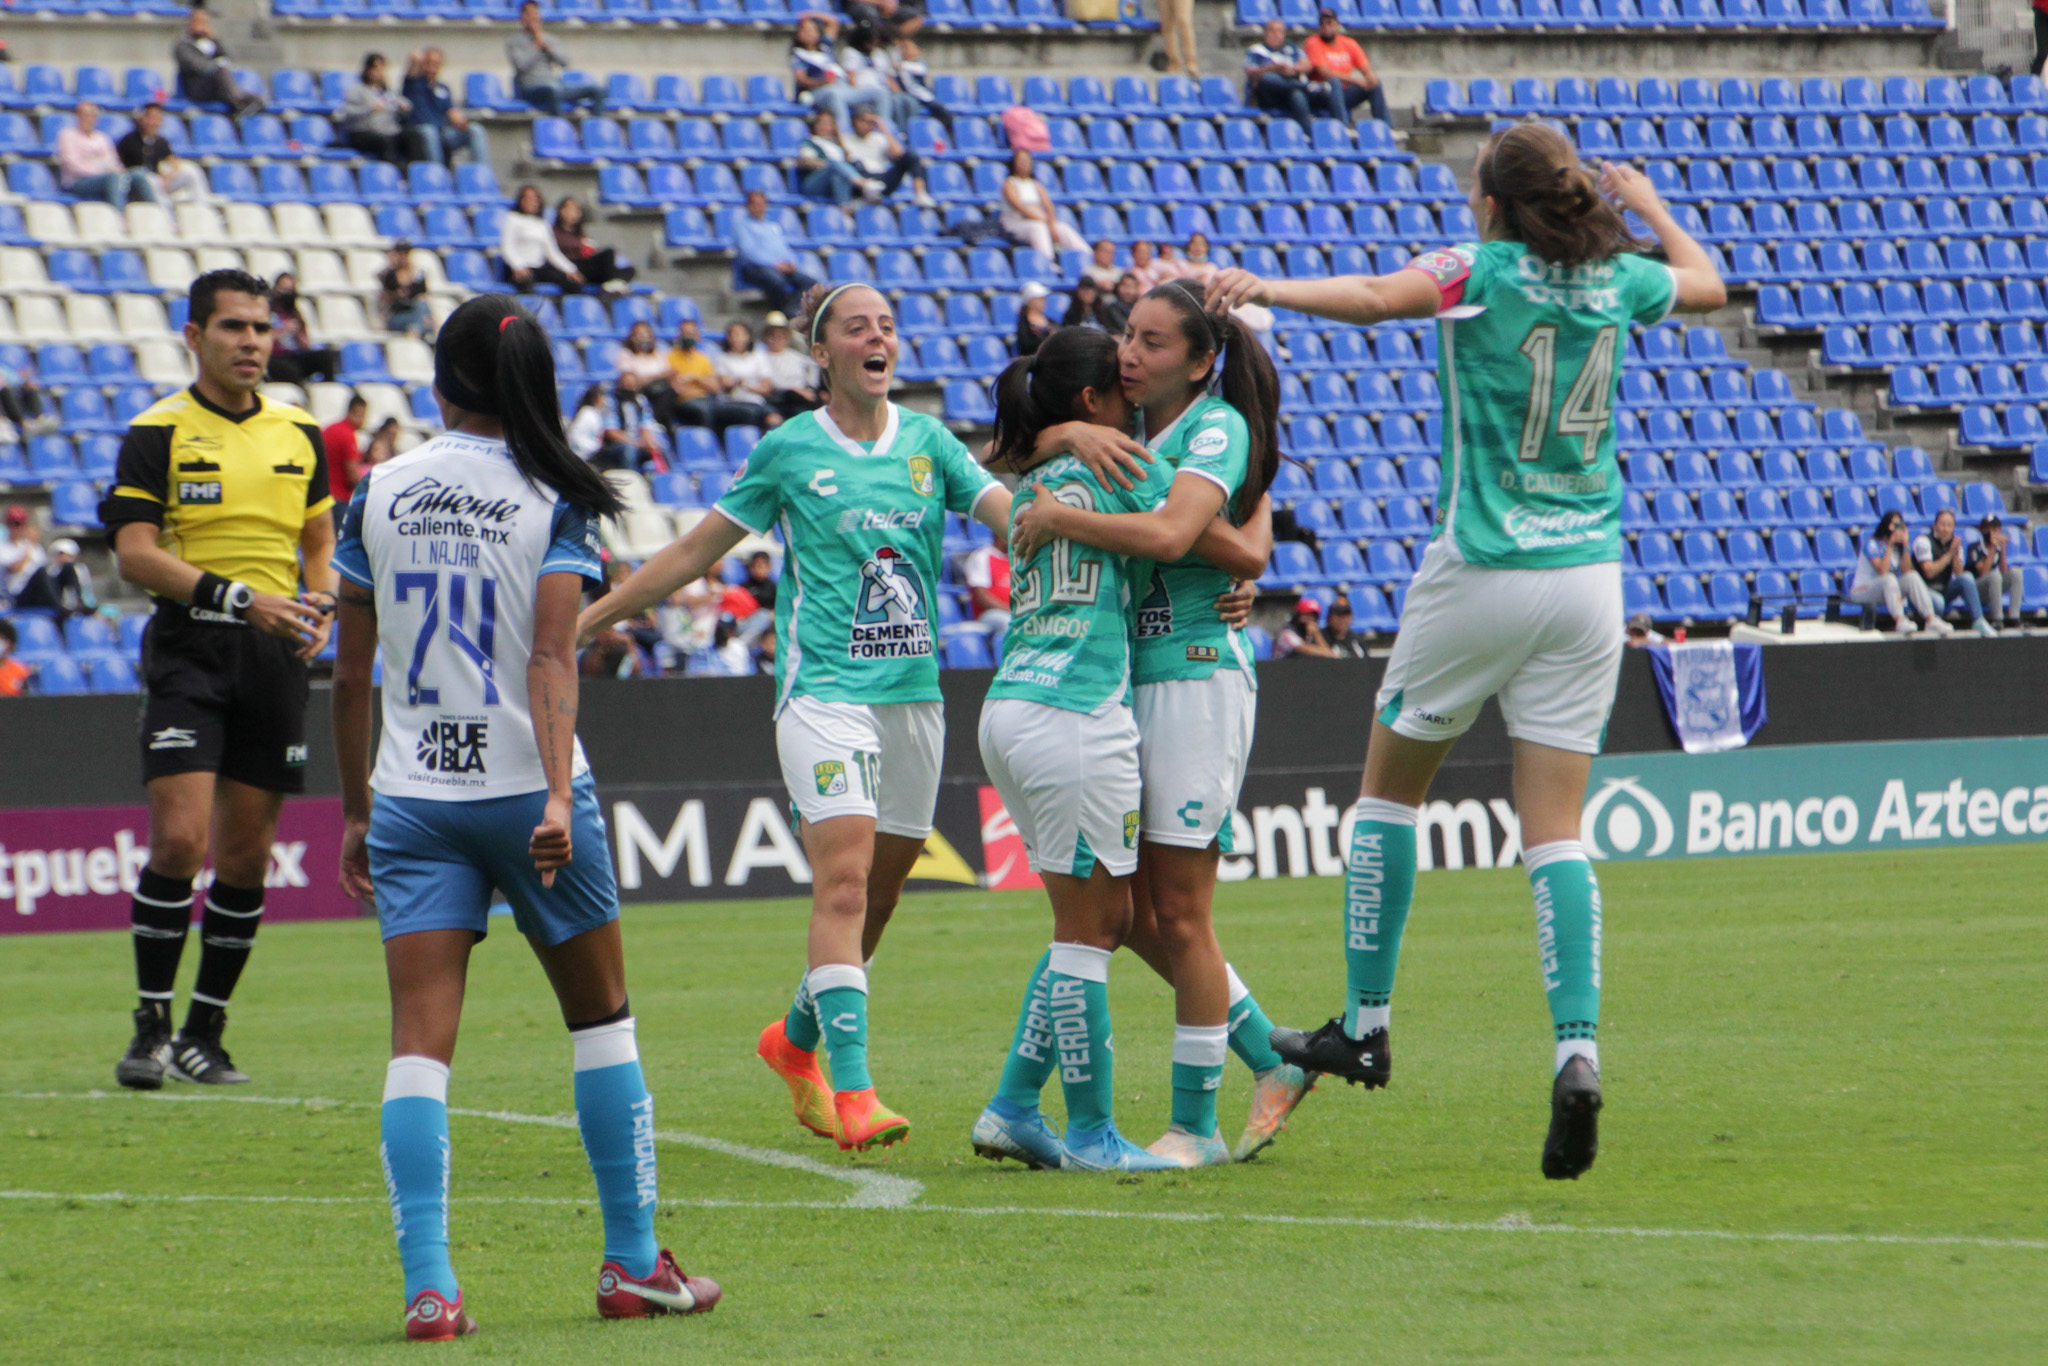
(14, 675)
(743, 369)
(597, 265)
(914, 74)
(639, 356)
(371, 114)
(438, 129)
(1885, 574)
(728, 655)
(144, 148)
(21, 554)
(763, 257)
(1342, 64)
(1145, 265)
(870, 67)
(760, 580)
(61, 586)
(1642, 632)
(527, 249)
(987, 572)
(618, 431)
(1277, 76)
(821, 82)
(1195, 263)
(1114, 313)
(21, 403)
(383, 443)
(699, 389)
(1030, 216)
(1168, 263)
(887, 16)
(1301, 635)
(1344, 642)
(540, 69)
(89, 167)
(204, 76)
(1083, 304)
(823, 169)
(294, 358)
(1996, 578)
(402, 294)
(794, 374)
(1102, 267)
(1943, 564)
(887, 162)
(341, 439)
(1033, 327)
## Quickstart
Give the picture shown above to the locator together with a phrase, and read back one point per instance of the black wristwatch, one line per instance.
(239, 598)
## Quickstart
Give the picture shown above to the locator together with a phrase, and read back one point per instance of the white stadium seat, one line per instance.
(411, 360)
(150, 226)
(7, 332)
(40, 318)
(250, 225)
(364, 266)
(267, 263)
(90, 318)
(163, 361)
(320, 272)
(139, 316)
(385, 400)
(170, 269)
(21, 272)
(201, 225)
(328, 403)
(50, 223)
(342, 319)
(210, 259)
(99, 225)
(350, 225)
(299, 225)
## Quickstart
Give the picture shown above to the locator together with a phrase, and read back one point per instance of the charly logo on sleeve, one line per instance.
(1213, 441)
(890, 616)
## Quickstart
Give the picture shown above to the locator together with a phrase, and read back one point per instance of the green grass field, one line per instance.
(1824, 1142)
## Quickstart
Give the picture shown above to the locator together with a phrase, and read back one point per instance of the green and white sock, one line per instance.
(1568, 943)
(1251, 1033)
(840, 993)
(1077, 1002)
(1379, 884)
(800, 1026)
(1198, 1052)
(1030, 1062)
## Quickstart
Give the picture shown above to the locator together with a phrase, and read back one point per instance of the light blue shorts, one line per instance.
(434, 864)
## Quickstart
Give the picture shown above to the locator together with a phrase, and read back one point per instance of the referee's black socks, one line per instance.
(158, 918)
(227, 932)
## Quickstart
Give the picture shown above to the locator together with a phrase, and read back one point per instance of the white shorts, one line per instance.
(1548, 642)
(1194, 738)
(1069, 781)
(851, 759)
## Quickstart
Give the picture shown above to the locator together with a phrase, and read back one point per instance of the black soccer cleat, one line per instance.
(1368, 1061)
(200, 1058)
(142, 1067)
(1574, 1139)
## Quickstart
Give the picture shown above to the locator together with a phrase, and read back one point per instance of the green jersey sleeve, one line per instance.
(1218, 447)
(1649, 289)
(966, 481)
(755, 499)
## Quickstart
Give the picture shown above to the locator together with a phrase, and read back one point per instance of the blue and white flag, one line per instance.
(1713, 692)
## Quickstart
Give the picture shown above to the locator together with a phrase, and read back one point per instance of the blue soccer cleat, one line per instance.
(1008, 1130)
(1106, 1150)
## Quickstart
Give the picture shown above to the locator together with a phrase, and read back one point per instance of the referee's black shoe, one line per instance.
(1368, 1061)
(142, 1067)
(200, 1058)
(1574, 1138)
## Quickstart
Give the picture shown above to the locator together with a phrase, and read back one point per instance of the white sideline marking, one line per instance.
(871, 1190)
(876, 1190)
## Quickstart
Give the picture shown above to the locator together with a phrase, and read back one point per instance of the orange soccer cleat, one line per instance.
(865, 1122)
(807, 1086)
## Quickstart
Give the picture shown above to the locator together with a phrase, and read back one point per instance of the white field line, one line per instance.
(893, 1198)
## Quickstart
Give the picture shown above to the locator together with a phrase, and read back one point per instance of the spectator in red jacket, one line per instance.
(344, 452)
(1339, 60)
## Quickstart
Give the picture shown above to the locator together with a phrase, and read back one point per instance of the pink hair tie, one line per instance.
(507, 321)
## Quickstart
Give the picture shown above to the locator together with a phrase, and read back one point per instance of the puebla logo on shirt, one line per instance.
(891, 619)
(921, 481)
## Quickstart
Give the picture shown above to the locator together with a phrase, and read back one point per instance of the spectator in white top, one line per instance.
(744, 368)
(627, 430)
(914, 74)
(1943, 561)
(1030, 216)
(870, 66)
(1102, 267)
(1642, 632)
(63, 586)
(888, 163)
(371, 114)
(794, 375)
(823, 169)
(1885, 574)
(89, 167)
(987, 572)
(22, 553)
(1996, 578)
(527, 250)
(821, 81)
(1277, 76)
(540, 69)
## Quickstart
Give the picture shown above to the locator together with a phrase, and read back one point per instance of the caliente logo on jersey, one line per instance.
(890, 615)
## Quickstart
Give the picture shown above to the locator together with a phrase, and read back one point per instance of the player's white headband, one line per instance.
(825, 306)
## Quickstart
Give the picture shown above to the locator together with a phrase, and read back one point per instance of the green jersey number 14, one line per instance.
(1588, 405)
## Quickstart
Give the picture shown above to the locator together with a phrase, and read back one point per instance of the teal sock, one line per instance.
(840, 992)
(1197, 1071)
(1379, 883)
(800, 1026)
(1029, 1065)
(1077, 1001)
(1567, 936)
(414, 1151)
(1251, 1033)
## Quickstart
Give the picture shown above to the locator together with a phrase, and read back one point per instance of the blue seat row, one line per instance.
(1509, 15)
(1862, 466)
(941, 14)
(1972, 343)
(1701, 96)
(1751, 178)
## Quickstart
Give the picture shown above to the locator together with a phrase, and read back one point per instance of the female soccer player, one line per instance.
(1519, 594)
(859, 490)
(466, 559)
(1195, 682)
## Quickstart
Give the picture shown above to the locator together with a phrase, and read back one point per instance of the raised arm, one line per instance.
(1165, 534)
(1360, 299)
(683, 561)
(1700, 289)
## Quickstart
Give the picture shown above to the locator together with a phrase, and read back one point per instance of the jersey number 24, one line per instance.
(478, 647)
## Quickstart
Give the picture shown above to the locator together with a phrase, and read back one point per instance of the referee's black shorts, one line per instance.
(223, 698)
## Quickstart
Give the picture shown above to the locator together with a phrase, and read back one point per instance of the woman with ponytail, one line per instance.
(1209, 399)
(466, 559)
(859, 490)
(1519, 593)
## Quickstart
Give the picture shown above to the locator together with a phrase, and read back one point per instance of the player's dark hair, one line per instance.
(1892, 518)
(199, 299)
(1244, 377)
(1040, 390)
(7, 632)
(1547, 200)
(492, 358)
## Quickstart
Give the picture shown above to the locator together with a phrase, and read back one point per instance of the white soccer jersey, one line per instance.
(453, 540)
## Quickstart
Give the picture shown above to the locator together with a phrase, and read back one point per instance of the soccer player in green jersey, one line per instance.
(1195, 685)
(859, 490)
(1519, 594)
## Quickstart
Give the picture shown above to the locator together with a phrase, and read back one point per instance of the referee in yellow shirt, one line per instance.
(219, 511)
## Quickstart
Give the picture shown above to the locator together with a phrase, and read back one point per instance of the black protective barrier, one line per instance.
(688, 773)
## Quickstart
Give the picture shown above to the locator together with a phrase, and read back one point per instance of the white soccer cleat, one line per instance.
(1184, 1149)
